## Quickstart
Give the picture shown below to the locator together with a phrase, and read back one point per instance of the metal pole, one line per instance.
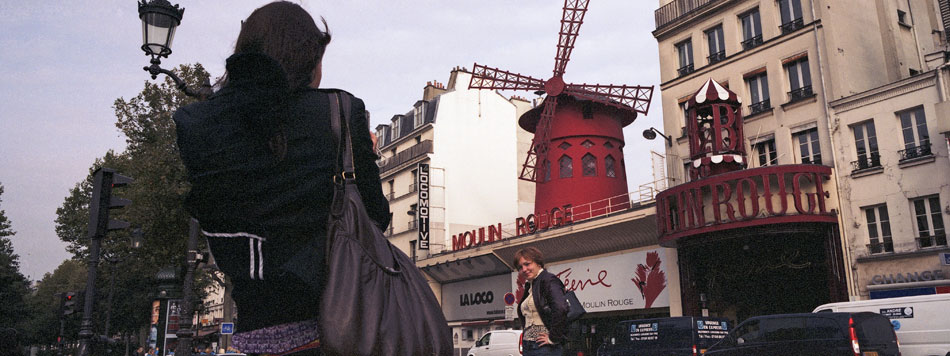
(112, 260)
(86, 332)
(186, 330)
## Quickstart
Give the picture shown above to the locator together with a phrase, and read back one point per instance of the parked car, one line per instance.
(825, 334)
(921, 321)
(685, 335)
(498, 343)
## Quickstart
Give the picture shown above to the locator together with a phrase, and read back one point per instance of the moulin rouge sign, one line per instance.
(750, 197)
(557, 217)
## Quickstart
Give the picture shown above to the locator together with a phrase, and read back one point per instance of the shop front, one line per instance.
(901, 276)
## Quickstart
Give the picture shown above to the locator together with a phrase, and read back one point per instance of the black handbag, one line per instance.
(376, 301)
(575, 310)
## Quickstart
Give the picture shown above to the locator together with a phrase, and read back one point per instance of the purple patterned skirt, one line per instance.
(280, 339)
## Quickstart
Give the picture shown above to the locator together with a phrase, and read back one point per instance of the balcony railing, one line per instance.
(717, 57)
(816, 160)
(406, 155)
(916, 152)
(761, 106)
(793, 25)
(880, 247)
(677, 9)
(932, 241)
(684, 70)
(800, 93)
(752, 42)
(866, 162)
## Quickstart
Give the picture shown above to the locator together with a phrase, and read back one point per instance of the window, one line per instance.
(418, 115)
(567, 167)
(791, 11)
(685, 52)
(799, 79)
(930, 230)
(685, 117)
(759, 91)
(590, 165)
(483, 341)
(609, 162)
(717, 46)
(865, 142)
(879, 230)
(412, 250)
(587, 144)
(547, 170)
(751, 29)
(608, 145)
(392, 191)
(766, 152)
(914, 130)
(687, 167)
(808, 147)
(564, 145)
(395, 126)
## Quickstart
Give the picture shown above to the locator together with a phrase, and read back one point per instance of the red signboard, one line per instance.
(751, 197)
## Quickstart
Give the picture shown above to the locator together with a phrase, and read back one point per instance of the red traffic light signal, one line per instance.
(69, 303)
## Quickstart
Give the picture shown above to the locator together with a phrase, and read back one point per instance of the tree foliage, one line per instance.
(14, 287)
(151, 158)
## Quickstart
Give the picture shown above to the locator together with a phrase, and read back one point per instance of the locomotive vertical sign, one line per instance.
(422, 212)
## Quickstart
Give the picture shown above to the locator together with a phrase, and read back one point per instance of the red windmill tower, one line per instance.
(577, 126)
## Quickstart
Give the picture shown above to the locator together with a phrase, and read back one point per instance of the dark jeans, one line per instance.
(531, 348)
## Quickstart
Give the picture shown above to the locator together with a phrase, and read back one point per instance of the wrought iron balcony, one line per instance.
(761, 106)
(685, 69)
(916, 152)
(932, 241)
(793, 25)
(417, 150)
(800, 93)
(866, 162)
(752, 42)
(717, 57)
(880, 247)
(677, 9)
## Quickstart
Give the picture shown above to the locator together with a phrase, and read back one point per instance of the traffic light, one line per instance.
(69, 303)
(104, 180)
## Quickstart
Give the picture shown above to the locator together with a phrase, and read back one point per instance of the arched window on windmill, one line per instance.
(609, 163)
(547, 170)
(566, 166)
(590, 165)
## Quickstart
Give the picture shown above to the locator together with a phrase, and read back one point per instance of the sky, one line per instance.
(63, 64)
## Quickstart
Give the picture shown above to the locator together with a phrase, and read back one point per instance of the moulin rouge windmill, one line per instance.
(577, 125)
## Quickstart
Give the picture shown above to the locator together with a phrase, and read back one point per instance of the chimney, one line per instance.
(432, 90)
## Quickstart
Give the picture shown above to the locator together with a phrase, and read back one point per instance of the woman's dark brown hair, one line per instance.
(529, 253)
(285, 32)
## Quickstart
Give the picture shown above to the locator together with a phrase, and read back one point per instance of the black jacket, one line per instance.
(266, 216)
(548, 293)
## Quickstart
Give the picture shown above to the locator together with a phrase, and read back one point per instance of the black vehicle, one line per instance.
(832, 334)
(685, 335)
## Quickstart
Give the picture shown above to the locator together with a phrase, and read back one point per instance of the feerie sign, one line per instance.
(628, 281)
(758, 196)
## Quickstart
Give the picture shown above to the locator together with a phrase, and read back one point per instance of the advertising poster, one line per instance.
(634, 280)
(476, 299)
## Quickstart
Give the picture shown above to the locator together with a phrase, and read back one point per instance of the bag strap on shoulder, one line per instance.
(340, 104)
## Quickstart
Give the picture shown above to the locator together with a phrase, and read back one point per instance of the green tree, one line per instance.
(43, 327)
(152, 159)
(14, 287)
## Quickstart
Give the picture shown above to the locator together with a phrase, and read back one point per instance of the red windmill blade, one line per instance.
(632, 98)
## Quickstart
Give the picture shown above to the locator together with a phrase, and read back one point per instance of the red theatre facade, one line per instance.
(750, 241)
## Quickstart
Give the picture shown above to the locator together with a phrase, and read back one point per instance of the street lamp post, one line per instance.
(159, 21)
(186, 330)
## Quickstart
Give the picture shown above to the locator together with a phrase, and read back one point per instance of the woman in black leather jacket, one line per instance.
(543, 316)
(260, 155)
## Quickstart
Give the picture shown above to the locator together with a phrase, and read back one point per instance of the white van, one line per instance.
(498, 343)
(922, 322)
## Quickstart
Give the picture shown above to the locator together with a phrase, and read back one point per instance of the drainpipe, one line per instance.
(845, 243)
(920, 55)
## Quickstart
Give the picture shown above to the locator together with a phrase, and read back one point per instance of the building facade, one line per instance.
(810, 75)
